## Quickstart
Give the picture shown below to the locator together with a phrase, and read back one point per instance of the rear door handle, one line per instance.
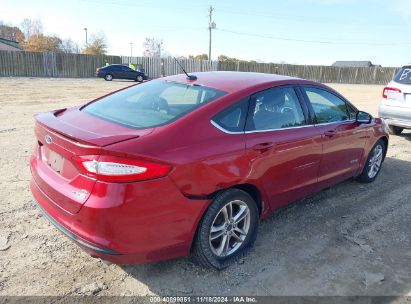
(263, 146)
(330, 133)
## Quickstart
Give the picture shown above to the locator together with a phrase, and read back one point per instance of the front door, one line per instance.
(343, 138)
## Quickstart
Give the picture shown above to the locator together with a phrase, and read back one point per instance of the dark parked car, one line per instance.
(178, 165)
(120, 71)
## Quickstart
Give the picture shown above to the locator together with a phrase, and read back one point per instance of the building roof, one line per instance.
(355, 64)
(11, 43)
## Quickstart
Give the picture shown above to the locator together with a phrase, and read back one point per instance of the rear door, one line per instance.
(343, 139)
(282, 144)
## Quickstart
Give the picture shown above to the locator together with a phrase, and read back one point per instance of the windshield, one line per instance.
(152, 104)
(403, 76)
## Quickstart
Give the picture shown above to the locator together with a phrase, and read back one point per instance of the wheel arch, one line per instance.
(385, 140)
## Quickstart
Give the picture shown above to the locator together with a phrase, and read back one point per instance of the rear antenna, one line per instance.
(189, 77)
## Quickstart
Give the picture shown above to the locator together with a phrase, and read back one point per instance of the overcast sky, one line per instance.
(292, 31)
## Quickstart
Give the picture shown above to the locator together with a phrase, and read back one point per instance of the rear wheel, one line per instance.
(108, 77)
(395, 130)
(228, 227)
(374, 162)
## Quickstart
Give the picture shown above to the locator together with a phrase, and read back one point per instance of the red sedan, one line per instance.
(182, 165)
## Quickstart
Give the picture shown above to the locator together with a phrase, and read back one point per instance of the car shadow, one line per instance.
(350, 239)
(406, 134)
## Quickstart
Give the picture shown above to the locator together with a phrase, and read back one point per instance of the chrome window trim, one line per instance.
(335, 122)
(271, 130)
(222, 129)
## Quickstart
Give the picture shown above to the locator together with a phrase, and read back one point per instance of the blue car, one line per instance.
(119, 71)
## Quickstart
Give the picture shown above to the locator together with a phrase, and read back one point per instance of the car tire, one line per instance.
(374, 163)
(139, 78)
(208, 249)
(394, 130)
(108, 77)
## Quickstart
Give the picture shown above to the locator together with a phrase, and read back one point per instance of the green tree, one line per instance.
(225, 58)
(42, 43)
(96, 46)
(201, 57)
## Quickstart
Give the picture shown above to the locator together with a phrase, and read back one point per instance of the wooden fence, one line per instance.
(30, 64)
(326, 74)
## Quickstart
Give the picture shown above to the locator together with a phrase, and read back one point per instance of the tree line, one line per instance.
(31, 38)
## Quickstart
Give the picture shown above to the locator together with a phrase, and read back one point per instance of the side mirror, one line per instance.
(363, 117)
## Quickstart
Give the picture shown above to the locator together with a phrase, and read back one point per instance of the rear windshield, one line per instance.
(403, 76)
(152, 104)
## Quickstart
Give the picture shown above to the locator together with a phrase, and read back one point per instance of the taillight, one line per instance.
(117, 169)
(97, 70)
(389, 89)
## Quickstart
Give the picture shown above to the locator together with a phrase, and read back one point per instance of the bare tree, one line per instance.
(153, 47)
(31, 27)
(69, 46)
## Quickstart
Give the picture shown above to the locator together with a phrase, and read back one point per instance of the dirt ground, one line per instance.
(352, 239)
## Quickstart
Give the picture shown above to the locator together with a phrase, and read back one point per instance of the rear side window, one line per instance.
(152, 104)
(233, 118)
(327, 107)
(403, 76)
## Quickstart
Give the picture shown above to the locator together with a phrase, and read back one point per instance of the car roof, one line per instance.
(231, 81)
(113, 65)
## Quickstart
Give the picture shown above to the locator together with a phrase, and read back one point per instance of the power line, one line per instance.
(316, 41)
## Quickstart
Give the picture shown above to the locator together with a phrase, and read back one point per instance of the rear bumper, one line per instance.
(124, 228)
(88, 246)
(396, 116)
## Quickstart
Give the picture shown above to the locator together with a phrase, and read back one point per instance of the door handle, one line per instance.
(330, 133)
(263, 146)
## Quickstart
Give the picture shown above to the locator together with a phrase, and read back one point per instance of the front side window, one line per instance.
(152, 104)
(126, 69)
(276, 108)
(327, 107)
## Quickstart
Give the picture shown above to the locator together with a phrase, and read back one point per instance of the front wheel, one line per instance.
(374, 162)
(228, 227)
(140, 78)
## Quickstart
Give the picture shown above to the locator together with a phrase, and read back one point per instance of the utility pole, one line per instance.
(131, 49)
(211, 26)
(86, 35)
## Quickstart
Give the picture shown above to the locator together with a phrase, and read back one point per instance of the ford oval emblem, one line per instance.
(48, 139)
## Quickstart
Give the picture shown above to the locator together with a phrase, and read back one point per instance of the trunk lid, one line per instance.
(61, 135)
(399, 99)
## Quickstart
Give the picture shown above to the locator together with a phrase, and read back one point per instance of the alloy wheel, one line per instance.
(229, 228)
(375, 161)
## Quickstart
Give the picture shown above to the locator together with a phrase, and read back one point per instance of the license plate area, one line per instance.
(55, 161)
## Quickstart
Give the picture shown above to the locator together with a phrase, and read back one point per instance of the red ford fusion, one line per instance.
(189, 165)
